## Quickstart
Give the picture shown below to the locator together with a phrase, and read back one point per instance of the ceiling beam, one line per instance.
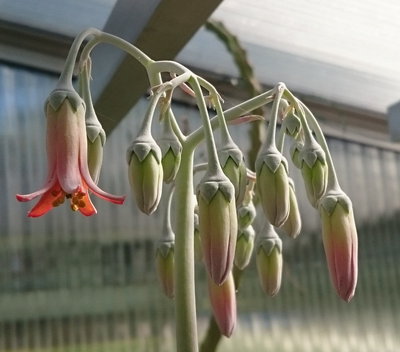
(160, 28)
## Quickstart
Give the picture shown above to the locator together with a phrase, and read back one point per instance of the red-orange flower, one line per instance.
(66, 144)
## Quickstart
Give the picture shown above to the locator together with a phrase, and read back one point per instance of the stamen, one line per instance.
(74, 207)
(81, 204)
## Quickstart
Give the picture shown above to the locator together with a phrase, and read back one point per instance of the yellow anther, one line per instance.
(81, 204)
(74, 207)
(80, 195)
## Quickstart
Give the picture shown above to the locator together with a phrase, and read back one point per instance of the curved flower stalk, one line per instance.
(339, 235)
(223, 303)
(292, 225)
(269, 260)
(217, 225)
(66, 145)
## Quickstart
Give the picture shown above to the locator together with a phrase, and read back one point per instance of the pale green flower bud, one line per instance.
(96, 137)
(198, 252)
(295, 152)
(165, 266)
(273, 185)
(223, 303)
(269, 260)
(246, 214)
(292, 226)
(171, 150)
(244, 247)
(217, 225)
(145, 173)
(292, 124)
(339, 235)
(315, 171)
(232, 163)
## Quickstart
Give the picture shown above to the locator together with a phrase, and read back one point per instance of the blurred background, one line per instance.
(70, 283)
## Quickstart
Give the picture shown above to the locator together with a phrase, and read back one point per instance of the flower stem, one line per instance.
(185, 306)
(65, 80)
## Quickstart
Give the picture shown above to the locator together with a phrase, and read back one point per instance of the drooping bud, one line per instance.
(223, 303)
(292, 225)
(244, 247)
(145, 172)
(171, 150)
(314, 170)
(295, 152)
(339, 235)
(232, 163)
(246, 214)
(217, 225)
(269, 260)
(292, 124)
(96, 137)
(273, 185)
(165, 266)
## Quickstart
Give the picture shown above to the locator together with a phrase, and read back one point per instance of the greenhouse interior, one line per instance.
(70, 282)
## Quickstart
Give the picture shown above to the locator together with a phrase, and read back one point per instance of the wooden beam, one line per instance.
(160, 28)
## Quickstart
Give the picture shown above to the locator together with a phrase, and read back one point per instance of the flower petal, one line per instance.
(89, 208)
(45, 204)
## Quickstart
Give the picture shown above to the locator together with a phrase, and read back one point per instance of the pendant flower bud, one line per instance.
(223, 303)
(292, 225)
(217, 225)
(292, 124)
(244, 247)
(315, 171)
(269, 260)
(66, 145)
(246, 214)
(339, 235)
(96, 137)
(198, 253)
(145, 173)
(233, 166)
(273, 185)
(295, 152)
(165, 266)
(171, 150)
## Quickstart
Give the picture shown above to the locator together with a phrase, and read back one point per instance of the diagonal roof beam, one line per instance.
(160, 28)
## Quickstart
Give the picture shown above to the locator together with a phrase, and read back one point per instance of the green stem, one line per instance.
(185, 307)
(91, 117)
(271, 130)
(333, 182)
(280, 141)
(213, 162)
(65, 80)
(168, 233)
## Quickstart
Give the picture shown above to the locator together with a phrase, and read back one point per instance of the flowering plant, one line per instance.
(218, 224)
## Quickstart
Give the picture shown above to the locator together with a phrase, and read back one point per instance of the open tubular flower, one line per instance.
(244, 247)
(68, 173)
(273, 185)
(292, 225)
(145, 173)
(217, 225)
(233, 166)
(223, 303)
(314, 170)
(269, 260)
(339, 235)
(165, 266)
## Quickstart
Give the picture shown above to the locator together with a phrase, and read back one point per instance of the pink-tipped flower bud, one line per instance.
(292, 225)
(273, 185)
(233, 166)
(269, 260)
(217, 225)
(223, 303)
(165, 266)
(339, 235)
(145, 173)
(244, 247)
(171, 150)
(314, 170)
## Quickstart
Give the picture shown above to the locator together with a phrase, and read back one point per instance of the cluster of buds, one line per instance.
(224, 237)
